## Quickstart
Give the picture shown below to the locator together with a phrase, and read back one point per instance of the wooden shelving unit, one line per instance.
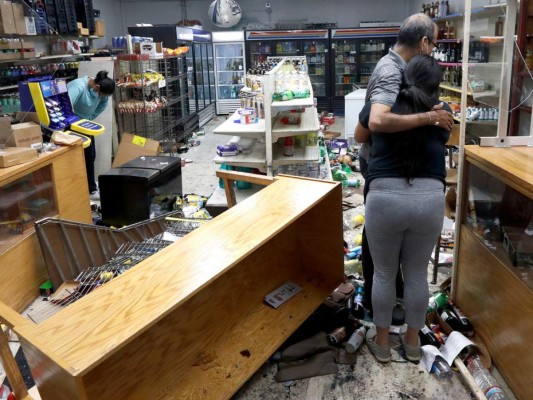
(175, 326)
(497, 296)
(22, 266)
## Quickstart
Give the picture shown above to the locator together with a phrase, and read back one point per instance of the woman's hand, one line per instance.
(361, 134)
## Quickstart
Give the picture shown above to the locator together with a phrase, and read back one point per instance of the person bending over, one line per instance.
(89, 97)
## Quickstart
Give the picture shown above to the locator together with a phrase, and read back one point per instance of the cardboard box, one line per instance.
(23, 116)
(132, 146)
(26, 134)
(7, 20)
(16, 155)
(28, 50)
(83, 31)
(20, 20)
(99, 28)
(152, 49)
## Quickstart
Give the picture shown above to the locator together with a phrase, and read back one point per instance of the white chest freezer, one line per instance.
(353, 104)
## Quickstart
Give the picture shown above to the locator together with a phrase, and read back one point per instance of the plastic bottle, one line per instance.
(441, 369)
(5, 393)
(437, 301)
(358, 311)
(356, 340)
(485, 380)
(288, 147)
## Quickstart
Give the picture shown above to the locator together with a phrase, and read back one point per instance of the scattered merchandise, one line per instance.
(142, 107)
(482, 114)
(489, 386)
(279, 296)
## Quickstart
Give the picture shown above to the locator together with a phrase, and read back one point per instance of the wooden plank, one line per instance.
(70, 184)
(94, 328)
(9, 317)
(10, 174)
(469, 379)
(224, 369)
(22, 270)
(11, 368)
(512, 166)
(500, 309)
(246, 177)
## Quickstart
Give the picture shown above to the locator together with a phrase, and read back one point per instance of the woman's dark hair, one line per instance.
(107, 85)
(418, 94)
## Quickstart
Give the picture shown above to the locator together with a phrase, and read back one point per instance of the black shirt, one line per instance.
(388, 151)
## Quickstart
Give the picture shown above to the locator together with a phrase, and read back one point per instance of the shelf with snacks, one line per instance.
(152, 101)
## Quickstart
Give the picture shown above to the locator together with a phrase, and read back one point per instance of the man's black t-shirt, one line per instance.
(387, 151)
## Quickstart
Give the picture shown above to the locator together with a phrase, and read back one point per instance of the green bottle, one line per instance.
(437, 301)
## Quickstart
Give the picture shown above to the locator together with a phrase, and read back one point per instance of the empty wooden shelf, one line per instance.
(190, 322)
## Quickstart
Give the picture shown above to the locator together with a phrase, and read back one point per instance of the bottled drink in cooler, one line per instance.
(489, 386)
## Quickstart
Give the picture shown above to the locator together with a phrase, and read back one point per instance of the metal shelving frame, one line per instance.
(164, 124)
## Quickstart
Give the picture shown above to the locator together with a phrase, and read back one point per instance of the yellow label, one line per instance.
(139, 141)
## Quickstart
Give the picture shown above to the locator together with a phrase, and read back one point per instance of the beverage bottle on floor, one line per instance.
(356, 340)
(466, 325)
(441, 369)
(358, 310)
(489, 386)
(5, 393)
(437, 301)
(428, 337)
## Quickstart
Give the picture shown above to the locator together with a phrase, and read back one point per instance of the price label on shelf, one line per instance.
(139, 141)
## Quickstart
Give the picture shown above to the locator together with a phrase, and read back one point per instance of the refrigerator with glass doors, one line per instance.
(230, 70)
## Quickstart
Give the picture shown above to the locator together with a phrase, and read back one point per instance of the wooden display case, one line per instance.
(497, 198)
(190, 322)
(51, 185)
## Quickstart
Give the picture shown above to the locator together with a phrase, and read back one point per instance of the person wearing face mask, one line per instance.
(89, 97)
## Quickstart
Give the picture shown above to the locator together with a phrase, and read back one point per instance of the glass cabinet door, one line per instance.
(230, 69)
(211, 70)
(314, 51)
(259, 51)
(190, 80)
(286, 48)
(24, 201)
(199, 72)
(345, 70)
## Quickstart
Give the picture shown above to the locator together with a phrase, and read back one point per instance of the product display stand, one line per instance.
(152, 98)
(266, 155)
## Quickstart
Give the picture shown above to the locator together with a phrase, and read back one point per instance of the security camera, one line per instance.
(268, 7)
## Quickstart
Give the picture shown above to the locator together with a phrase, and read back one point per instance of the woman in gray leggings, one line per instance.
(405, 207)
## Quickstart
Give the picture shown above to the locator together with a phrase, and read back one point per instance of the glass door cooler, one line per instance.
(230, 70)
(355, 53)
(313, 44)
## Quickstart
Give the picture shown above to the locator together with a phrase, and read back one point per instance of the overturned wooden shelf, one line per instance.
(190, 321)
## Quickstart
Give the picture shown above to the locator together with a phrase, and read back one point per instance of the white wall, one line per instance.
(347, 13)
(111, 13)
